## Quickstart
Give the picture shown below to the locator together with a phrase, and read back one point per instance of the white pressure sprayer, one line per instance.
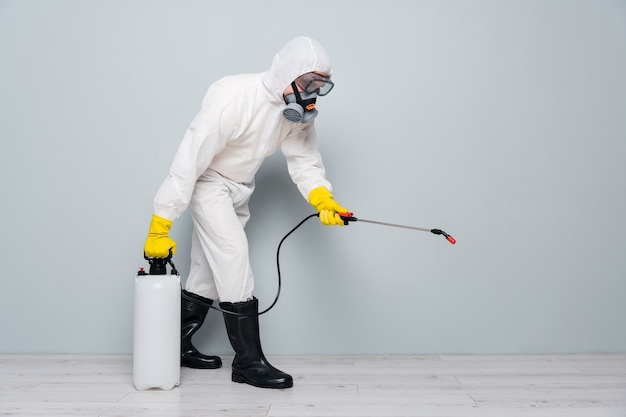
(156, 350)
(156, 354)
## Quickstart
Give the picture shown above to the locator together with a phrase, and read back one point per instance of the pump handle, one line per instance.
(157, 265)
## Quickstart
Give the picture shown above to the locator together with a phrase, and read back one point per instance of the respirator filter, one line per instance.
(300, 107)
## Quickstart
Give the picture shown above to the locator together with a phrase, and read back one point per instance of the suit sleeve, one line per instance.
(304, 161)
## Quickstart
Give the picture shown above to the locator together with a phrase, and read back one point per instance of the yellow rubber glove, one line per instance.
(158, 244)
(326, 206)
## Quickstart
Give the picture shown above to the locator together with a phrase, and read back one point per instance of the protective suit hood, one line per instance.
(301, 55)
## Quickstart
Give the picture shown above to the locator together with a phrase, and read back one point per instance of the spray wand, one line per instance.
(349, 217)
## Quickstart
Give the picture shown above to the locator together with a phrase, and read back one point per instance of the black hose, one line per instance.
(279, 276)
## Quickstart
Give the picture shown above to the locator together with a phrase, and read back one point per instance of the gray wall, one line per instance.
(501, 122)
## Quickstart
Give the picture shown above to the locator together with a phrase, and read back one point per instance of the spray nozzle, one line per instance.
(447, 236)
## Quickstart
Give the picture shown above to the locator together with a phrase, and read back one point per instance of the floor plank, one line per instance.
(585, 385)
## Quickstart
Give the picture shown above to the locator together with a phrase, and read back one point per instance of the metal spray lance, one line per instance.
(349, 217)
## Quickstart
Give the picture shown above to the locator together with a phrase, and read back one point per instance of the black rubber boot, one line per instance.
(250, 365)
(193, 312)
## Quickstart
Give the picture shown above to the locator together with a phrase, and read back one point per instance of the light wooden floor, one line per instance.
(373, 386)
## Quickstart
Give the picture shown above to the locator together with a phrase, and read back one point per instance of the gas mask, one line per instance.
(301, 103)
(300, 106)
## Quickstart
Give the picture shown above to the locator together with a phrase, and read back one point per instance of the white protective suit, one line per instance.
(239, 125)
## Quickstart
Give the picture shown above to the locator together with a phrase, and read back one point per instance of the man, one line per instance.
(244, 119)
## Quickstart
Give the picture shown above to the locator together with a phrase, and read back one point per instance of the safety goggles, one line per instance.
(314, 83)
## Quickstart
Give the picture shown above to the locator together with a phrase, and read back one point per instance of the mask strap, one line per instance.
(295, 91)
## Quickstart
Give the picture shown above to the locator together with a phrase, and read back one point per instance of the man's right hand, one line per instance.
(159, 244)
(325, 204)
